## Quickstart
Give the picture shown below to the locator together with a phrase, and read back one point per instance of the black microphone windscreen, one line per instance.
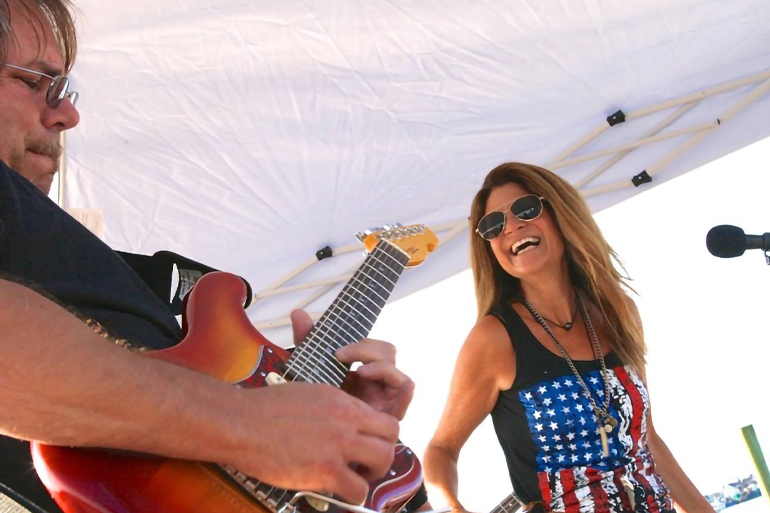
(726, 241)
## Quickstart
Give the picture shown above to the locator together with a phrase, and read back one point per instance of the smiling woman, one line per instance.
(557, 359)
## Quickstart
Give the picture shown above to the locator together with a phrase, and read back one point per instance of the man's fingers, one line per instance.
(301, 324)
(402, 401)
(381, 425)
(384, 372)
(374, 454)
(367, 350)
(350, 486)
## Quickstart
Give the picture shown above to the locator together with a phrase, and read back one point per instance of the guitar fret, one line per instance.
(370, 266)
(354, 278)
(355, 318)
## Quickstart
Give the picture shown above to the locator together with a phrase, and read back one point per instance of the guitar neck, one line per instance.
(349, 318)
(508, 505)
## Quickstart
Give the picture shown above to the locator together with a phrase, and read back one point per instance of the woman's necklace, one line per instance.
(604, 420)
(567, 325)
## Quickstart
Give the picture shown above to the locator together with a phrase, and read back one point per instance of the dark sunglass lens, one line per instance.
(491, 225)
(527, 207)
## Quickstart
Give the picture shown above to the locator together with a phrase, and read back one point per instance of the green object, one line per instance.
(752, 443)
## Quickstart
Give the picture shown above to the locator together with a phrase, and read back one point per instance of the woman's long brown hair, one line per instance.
(589, 257)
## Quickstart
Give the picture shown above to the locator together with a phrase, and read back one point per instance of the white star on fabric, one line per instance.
(547, 470)
(554, 425)
(551, 413)
(575, 396)
(559, 447)
(565, 409)
(561, 458)
(539, 427)
(571, 436)
(546, 448)
(600, 392)
(542, 438)
(546, 459)
(574, 458)
(562, 397)
(537, 414)
(579, 407)
(528, 396)
(573, 447)
(547, 401)
(568, 382)
(556, 438)
(541, 390)
(556, 385)
(587, 445)
(594, 380)
(570, 423)
(588, 456)
(584, 433)
(582, 421)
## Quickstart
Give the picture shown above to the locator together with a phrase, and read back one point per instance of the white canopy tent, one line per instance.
(250, 135)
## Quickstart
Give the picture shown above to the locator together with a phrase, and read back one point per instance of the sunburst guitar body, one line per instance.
(221, 341)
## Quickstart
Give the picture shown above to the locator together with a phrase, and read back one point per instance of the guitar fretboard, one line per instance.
(349, 318)
(508, 505)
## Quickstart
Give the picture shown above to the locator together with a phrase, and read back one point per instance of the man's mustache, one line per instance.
(50, 148)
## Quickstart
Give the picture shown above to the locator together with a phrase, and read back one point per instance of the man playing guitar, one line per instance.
(61, 384)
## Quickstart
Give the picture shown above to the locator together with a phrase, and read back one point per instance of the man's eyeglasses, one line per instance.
(58, 89)
(525, 208)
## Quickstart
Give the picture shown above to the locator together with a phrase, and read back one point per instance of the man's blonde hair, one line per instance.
(57, 13)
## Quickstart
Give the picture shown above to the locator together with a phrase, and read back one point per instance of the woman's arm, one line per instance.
(484, 367)
(684, 492)
(682, 489)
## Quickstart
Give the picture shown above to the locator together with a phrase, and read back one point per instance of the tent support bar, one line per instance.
(303, 286)
(283, 321)
(635, 144)
(744, 102)
(617, 158)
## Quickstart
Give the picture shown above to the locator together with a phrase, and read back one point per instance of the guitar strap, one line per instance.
(159, 271)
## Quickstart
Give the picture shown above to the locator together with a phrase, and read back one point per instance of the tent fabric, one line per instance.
(249, 135)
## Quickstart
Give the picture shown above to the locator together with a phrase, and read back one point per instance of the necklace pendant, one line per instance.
(608, 428)
(568, 326)
(605, 442)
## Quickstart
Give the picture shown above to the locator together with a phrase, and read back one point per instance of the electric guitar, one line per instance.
(221, 341)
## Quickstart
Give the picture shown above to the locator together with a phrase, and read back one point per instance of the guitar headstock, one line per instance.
(415, 240)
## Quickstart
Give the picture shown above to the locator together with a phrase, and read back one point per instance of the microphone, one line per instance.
(728, 241)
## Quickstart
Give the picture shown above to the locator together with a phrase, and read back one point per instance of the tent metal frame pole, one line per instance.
(687, 107)
(653, 170)
(636, 144)
(61, 196)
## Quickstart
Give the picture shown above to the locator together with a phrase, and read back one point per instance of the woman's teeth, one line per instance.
(525, 244)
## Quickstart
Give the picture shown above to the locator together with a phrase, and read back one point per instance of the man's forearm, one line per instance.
(63, 384)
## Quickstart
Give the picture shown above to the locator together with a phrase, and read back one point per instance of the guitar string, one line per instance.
(341, 318)
(303, 360)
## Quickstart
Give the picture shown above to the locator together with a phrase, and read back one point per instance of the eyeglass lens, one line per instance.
(526, 208)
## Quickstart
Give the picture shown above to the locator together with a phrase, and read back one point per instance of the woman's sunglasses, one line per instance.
(526, 208)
